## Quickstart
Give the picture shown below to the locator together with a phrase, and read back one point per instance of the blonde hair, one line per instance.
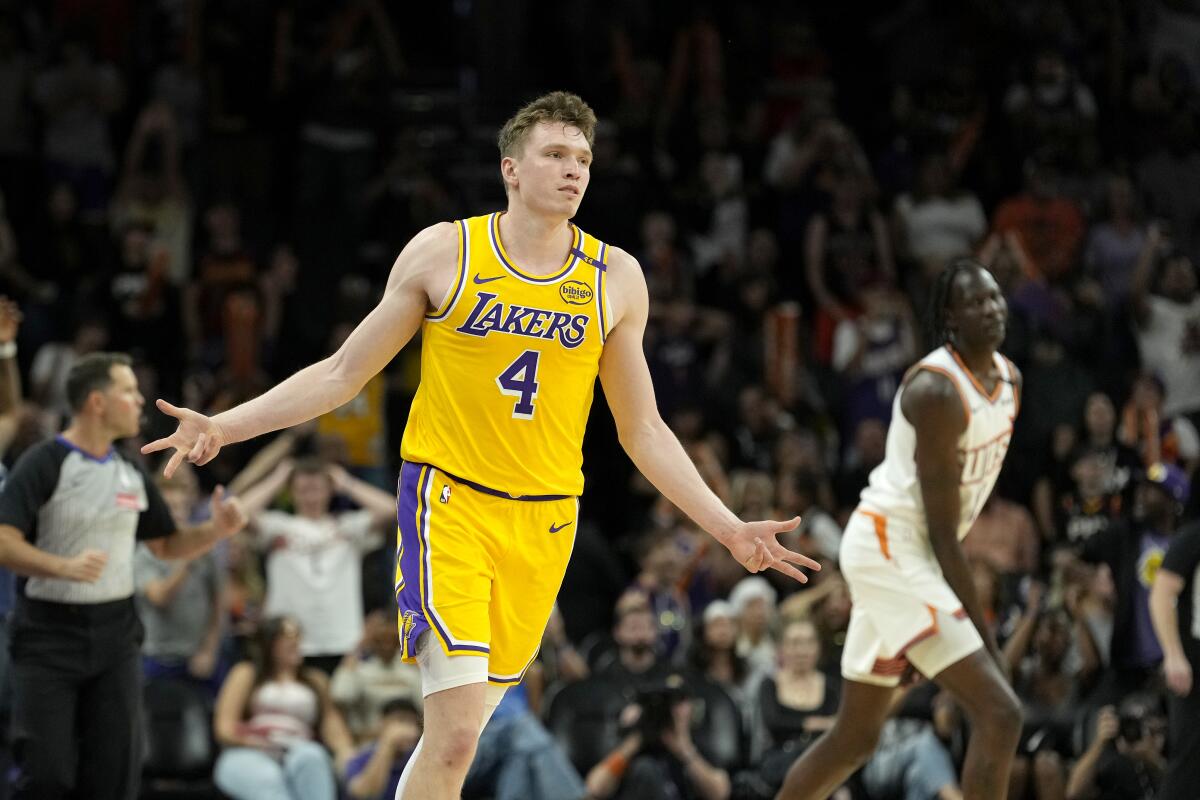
(561, 107)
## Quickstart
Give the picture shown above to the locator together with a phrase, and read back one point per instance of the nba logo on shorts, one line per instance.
(445, 498)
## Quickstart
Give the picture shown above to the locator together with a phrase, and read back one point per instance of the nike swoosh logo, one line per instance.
(557, 528)
(478, 279)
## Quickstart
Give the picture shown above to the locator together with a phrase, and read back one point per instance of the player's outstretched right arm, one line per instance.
(422, 271)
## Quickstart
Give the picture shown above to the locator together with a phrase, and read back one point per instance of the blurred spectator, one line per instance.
(938, 221)
(846, 248)
(1170, 181)
(54, 360)
(911, 760)
(1115, 243)
(797, 703)
(753, 600)
(180, 602)
(1154, 433)
(78, 95)
(372, 676)
(274, 720)
(518, 760)
(17, 154)
(871, 350)
(222, 311)
(1133, 554)
(663, 563)
(819, 535)
(1049, 227)
(374, 771)
(314, 556)
(866, 451)
(1054, 112)
(714, 653)
(152, 191)
(635, 632)
(657, 759)
(1166, 307)
(1054, 661)
(1125, 758)
(1005, 536)
(1089, 506)
(558, 663)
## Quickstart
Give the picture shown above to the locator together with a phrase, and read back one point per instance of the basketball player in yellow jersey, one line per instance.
(519, 312)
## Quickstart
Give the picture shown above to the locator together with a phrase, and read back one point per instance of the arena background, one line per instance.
(220, 188)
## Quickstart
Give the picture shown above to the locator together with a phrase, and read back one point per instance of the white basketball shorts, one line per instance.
(903, 611)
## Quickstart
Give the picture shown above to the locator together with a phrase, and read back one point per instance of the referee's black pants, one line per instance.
(77, 700)
(1182, 781)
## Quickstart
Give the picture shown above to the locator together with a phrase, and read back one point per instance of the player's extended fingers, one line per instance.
(198, 448)
(790, 571)
(173, 464)
(760, 558)
(156, 445)
(790, 525)
(167, 408)
(211, 448)
(781, 553)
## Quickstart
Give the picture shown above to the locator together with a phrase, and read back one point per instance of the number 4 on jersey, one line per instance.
(519, 380)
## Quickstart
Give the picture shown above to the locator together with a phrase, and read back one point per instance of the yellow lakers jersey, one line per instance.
(508, 364)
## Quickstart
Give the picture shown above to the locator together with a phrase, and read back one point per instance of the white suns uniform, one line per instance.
(904, 611)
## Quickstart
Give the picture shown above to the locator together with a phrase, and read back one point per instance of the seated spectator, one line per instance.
(374, 771)
(180, 603)
(635, 633)
(819, 535)
(797, 704)
(372, 677)
(657, 759)
(753, 600)
(558, 662)
(274, 720)
(1125, 759)
(864, 454)
(662, 561)
(911, 761)
(517, 759)
(714, 653)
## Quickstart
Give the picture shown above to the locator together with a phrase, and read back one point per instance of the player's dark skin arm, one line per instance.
(931, 403)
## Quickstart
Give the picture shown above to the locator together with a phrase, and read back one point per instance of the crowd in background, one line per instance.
(219, 189)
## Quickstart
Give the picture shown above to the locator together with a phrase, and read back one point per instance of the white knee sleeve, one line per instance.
(440, 671)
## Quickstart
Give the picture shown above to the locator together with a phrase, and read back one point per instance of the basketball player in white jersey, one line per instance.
(914, 602)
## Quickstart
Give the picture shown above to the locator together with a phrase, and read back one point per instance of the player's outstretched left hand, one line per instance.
(198, 438)
(755, 547)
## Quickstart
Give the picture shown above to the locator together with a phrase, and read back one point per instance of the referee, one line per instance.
(1175, 611)
(71, 514)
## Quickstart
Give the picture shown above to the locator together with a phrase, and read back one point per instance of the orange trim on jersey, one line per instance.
(953, 380)
(880, 522)
(896, 665)
(992, 396)
(960, 614)
(1012, 377)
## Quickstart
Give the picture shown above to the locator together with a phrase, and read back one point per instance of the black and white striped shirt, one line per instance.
(66, 501)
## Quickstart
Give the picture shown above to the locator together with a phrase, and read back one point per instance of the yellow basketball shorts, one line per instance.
(478, 568)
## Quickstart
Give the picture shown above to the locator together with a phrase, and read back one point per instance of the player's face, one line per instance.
(978, 311)
(123, 402)
(552, 173)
